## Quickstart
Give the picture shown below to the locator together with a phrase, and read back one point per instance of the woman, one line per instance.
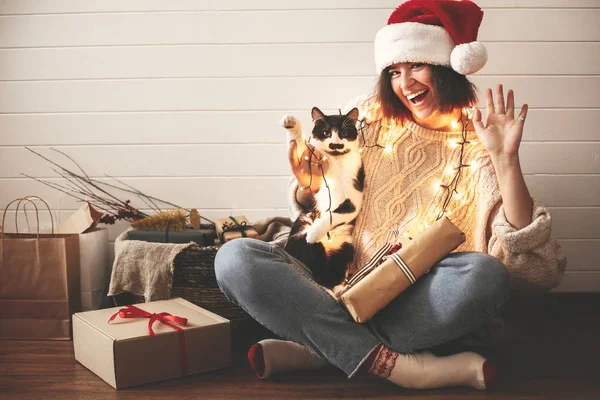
(411, 146)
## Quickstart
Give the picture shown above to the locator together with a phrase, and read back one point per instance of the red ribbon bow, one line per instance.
(166, 318)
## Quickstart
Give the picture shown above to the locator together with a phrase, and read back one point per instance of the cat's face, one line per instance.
(335, 135)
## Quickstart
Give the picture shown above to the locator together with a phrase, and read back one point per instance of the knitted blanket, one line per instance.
(146, 269)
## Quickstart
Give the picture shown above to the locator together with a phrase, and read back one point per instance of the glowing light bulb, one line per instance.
(474, 142)
(448, 212)
(475, 165)
(452, 143)
(437, 186)
(361, 113)
(388, 148)
(360, 150)
(324, 158)
(449, 170)
(459, 196)
(454, 124)
(306, 158)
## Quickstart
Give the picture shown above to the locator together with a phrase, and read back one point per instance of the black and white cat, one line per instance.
(319, 238)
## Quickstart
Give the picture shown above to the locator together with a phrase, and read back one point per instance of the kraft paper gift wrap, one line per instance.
(401, 269)
(233, 228)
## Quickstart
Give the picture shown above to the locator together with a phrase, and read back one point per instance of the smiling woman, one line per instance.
(425, 156)
(427, 94)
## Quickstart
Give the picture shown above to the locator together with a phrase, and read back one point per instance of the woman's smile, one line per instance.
(418, 98)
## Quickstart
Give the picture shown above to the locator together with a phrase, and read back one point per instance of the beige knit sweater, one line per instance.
(402, 191)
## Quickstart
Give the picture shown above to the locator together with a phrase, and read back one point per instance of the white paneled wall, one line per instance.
(181, 99)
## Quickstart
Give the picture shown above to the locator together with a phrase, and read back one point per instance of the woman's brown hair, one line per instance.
(453, 91)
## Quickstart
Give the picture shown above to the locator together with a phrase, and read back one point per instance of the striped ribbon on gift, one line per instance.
(390, 239)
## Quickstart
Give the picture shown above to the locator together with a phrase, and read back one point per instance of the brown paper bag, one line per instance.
(39, 283)
(400, 270)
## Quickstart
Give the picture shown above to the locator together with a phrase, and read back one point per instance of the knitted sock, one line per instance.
(426, 371)
(271, 356)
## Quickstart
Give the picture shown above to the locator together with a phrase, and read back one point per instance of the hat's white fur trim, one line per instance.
(412, 42)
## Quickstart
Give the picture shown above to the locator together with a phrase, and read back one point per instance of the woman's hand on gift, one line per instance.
(501, 135)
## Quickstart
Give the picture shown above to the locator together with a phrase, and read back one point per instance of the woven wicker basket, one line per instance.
(194, 280)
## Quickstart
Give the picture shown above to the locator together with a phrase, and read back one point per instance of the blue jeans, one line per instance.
(460, 294)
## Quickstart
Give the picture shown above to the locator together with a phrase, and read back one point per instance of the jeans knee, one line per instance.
(229, 260)
(238, 261)
(491, 275)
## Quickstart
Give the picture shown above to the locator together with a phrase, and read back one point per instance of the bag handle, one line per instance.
(30, 199)
(26, 199)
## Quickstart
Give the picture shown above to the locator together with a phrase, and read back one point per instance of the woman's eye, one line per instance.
(417, 65)
(394, 73)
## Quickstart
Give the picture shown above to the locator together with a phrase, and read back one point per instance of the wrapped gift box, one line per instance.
(123, 353)
(370, 291)
(233, 228)
(202, 237)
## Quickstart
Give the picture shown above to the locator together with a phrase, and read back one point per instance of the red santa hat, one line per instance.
(439, 32)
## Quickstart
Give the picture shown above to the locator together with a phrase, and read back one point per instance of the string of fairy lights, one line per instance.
(369, 117)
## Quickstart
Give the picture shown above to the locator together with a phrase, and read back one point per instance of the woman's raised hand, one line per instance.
(309, 175)
(501, 135)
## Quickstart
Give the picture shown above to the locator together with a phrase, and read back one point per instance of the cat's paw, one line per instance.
(289, 122)
(316, 232)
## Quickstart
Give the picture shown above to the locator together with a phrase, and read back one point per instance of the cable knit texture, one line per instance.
(402, 190)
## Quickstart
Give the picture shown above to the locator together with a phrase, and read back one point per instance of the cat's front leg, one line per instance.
(294, 132)
(317, 230)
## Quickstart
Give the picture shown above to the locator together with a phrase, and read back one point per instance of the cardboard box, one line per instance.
(202, 237)
(124, 354)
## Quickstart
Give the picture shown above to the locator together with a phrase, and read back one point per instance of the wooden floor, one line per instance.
(552, 352)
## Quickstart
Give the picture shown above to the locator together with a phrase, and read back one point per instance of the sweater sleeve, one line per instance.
(294, 207)
(534, 259)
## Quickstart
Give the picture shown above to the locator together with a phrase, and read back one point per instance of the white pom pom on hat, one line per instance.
(439, 32)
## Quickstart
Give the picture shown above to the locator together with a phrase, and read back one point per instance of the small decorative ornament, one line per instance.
(172, 220)
(195, 218)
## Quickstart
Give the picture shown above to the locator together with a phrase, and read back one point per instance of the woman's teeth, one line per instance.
(417, 97)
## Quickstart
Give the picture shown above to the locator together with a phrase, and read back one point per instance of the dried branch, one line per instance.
(141, 195)
(81, 185)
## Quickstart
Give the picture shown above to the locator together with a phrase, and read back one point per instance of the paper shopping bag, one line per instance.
(94, 268)
(93, 250)
(39, 284)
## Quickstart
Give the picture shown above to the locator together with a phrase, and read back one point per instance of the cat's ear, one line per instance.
(317, 114)
(353, 114)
